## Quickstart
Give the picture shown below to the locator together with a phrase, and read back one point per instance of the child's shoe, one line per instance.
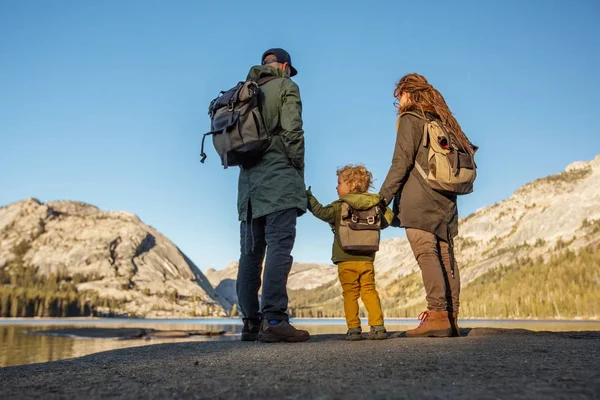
(354, 334)
(378, 332)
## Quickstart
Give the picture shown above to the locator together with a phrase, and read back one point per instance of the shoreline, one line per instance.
(484, 363)
(579, 319)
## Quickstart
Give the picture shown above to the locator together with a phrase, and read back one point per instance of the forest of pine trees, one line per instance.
(25, 293)
(565, 286)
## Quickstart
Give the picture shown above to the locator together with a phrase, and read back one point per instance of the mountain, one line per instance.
(547, 234)
(533, 255)
(303, 276)
(539, 221)
(70, 258)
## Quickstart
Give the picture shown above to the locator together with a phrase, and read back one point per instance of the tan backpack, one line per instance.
(451, 168)
(359, 230)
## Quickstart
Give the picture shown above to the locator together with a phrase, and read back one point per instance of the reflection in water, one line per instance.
(17, 347)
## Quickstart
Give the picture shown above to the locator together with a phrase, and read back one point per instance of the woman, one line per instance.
(430, 217)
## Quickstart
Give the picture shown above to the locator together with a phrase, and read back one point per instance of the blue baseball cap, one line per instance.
(281, 56)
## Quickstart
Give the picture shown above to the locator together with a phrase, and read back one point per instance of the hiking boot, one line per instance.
(354, 334)
(282, 332)
(250, 330)
(433, 324)
(378, 332)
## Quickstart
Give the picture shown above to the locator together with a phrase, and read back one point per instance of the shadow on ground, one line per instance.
(483, 363)
(476, 332)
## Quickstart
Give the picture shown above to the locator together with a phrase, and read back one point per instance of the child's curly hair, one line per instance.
(357, 177)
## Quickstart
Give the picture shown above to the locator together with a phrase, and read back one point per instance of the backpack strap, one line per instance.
(202, 153)
(261, 82)
(345, 211)
(451, 251)
(424, 141)
(421, 170)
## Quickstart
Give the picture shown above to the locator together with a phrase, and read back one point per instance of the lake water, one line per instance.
(18, 347)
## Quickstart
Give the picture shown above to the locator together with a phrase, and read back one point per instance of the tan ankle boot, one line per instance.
(433, 324)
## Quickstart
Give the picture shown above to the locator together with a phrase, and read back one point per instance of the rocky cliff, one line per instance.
(112, 260)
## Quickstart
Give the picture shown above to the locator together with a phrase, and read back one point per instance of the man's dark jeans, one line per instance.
(274, 234)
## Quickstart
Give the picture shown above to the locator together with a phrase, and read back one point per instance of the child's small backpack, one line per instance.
(236, 124)
(452, 168)
(359, 229)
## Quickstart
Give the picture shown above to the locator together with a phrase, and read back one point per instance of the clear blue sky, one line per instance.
(105, 101)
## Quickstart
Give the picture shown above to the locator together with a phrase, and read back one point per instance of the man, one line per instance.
(271, 195)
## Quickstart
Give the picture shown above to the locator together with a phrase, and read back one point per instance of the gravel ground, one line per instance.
(484, 363)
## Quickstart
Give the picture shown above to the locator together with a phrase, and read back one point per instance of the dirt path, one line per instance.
(487, 363)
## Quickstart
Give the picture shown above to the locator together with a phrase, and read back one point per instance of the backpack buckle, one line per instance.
(354, 218)
(371, 220)
(231, 105)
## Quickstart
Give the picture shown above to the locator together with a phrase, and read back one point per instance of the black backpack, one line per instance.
(236, 124)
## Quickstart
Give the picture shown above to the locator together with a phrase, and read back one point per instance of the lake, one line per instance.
(18, 347)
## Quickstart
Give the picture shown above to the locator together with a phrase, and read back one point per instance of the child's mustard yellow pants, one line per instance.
(358, 280)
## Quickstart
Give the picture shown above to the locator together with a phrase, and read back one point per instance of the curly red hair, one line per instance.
(357, 177)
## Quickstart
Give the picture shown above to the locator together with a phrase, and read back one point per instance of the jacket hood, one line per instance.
(362, 201)
(261, 71)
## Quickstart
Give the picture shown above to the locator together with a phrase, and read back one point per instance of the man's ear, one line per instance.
(285, 66)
